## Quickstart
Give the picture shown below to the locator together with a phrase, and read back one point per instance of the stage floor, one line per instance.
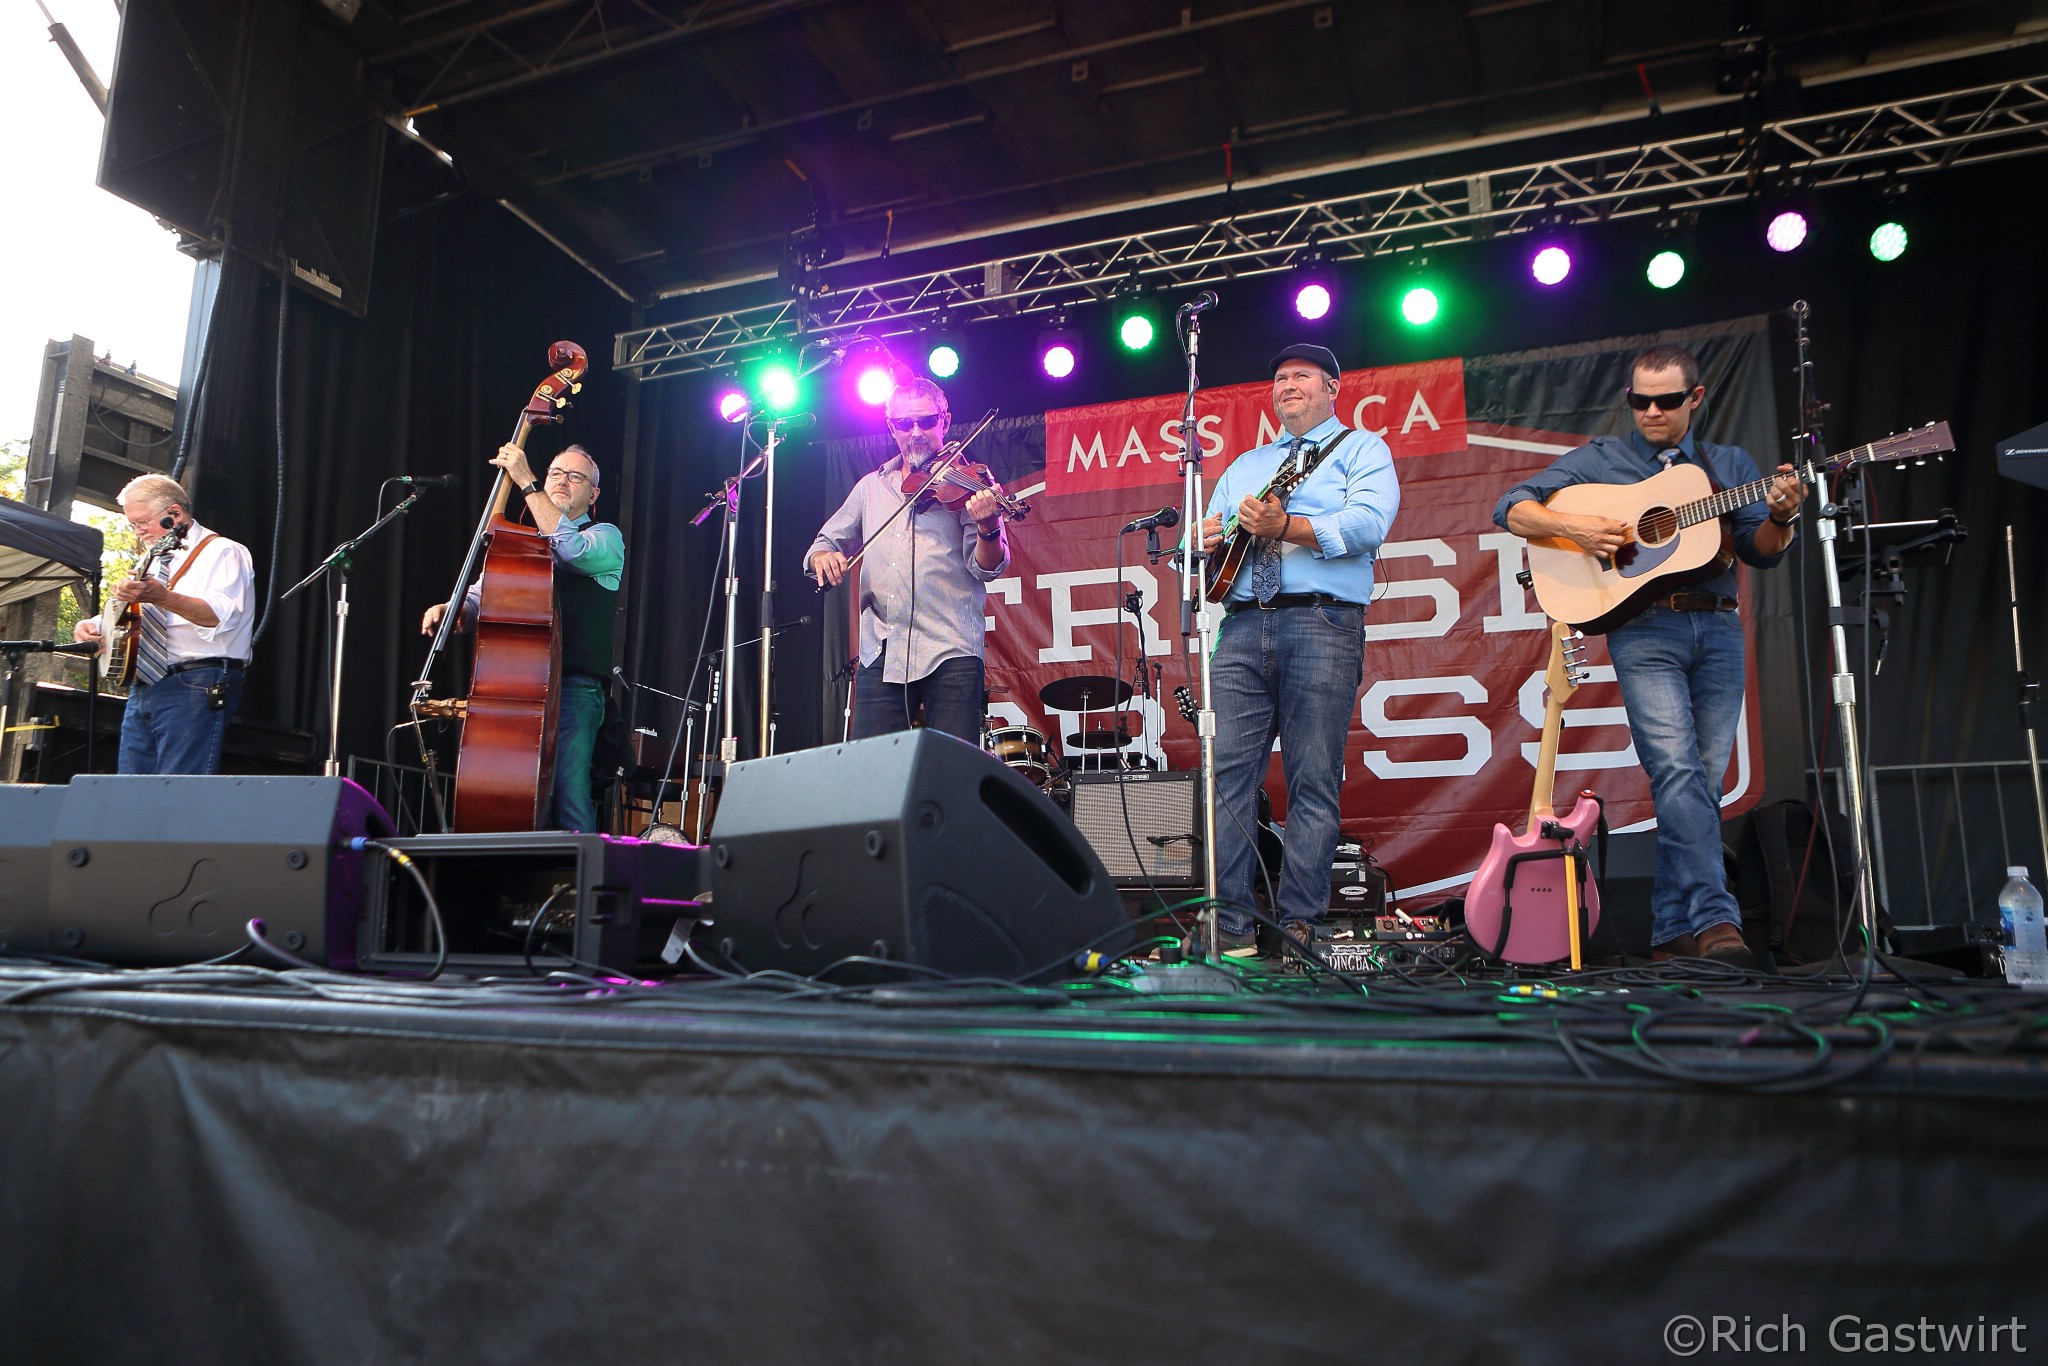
(234, 1163)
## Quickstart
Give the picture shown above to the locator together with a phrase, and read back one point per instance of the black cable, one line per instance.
(284, 294)
(399, 857)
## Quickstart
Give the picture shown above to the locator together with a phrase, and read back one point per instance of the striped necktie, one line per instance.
(153, 639)
(1266, 569)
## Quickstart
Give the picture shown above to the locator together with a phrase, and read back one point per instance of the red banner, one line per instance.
(1444, 740)
(1419, 409)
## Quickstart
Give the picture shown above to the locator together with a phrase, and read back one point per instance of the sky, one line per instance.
(81, 260)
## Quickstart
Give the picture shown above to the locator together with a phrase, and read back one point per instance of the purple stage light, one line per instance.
(1312, 301)
(1786, 231)
(875, 385)
(1551, 265)
(733, 405)
(1058, 360)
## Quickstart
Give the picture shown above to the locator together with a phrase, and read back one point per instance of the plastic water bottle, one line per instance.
(2021, 930)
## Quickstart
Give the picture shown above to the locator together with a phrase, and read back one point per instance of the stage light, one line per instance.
(1888, 240)
(1315, 286)
(1312, 300)
(942, 347)
(1786, 230)
(1135, 332)
(733, 405)
(776, 382)
(1666, 269)
(875, 385)
(1059, 347)
(1420, 306)
(1137, 316)
(1550, 265)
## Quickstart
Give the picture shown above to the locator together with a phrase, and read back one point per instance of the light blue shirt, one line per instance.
(581, 546)
(1349, 500)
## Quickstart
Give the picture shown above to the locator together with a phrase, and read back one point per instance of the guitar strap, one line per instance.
(190, 560)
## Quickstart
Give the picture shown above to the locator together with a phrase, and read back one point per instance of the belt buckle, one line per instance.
(1268, 606)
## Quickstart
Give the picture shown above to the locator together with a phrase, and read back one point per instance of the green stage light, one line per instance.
(1666, 269)
(1420, 306)
(777, 385)
(1135, 332)
(1888, 242)
(943, 360)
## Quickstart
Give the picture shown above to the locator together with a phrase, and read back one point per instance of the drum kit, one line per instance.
(1105, 734)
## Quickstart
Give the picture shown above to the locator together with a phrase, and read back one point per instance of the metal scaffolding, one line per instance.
(1902, 138)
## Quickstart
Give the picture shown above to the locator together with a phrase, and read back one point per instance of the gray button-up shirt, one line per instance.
(921, 586)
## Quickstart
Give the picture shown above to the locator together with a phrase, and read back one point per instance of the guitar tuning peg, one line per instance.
(577, 387)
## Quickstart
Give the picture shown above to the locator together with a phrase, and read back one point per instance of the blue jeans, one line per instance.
(952, 695)
(1293, 673)
(577, 722)
(1681, 680)
(170, 726)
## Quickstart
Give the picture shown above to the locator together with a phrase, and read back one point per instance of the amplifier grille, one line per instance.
(1166, 825)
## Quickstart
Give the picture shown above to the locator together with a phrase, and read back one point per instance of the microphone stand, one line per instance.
(1194, 622)
(2028, 690)
(1811, 411)
(338, 564)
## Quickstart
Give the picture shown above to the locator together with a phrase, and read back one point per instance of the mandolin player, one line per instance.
(924, 577)
(1680, 660)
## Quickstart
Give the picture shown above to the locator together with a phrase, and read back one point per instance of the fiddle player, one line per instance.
(590, 561)
(924, 581)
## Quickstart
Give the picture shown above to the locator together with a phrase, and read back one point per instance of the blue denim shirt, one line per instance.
(581, 545)
(1349, 500)
(1631, 459)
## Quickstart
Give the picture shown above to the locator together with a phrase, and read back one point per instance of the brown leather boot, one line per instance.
(1682, 947)
(1723, 943)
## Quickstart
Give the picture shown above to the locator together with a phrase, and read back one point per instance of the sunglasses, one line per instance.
(1670, 402)
(923, 422)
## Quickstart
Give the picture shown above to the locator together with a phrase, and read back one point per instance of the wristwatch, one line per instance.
(995, 535)
(534, 487)
(1776, 522)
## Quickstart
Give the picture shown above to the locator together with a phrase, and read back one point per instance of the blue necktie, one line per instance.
(1266, 569)
(153, 639)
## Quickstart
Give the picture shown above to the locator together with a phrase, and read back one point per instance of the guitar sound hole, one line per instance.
(1656, 526)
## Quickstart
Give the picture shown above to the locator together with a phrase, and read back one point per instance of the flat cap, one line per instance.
(1314, 355)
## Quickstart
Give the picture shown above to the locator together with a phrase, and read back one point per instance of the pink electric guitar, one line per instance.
(1526, 900)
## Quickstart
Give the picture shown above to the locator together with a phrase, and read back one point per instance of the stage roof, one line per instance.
(675, 147)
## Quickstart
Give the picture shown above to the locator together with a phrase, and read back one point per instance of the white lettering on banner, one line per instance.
(1010, 590)
(1418, 411)
(1269, 431)
(1372, 712)
(1358, 414)
(1066, 618)
(1531, 699)
(1092, 456)
(1133, 445)
(1509, 552)
(1439, 591)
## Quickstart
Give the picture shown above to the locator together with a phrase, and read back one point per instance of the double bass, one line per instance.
(504, 774)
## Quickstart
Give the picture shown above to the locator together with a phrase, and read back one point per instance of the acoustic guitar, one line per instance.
(1237, 543)
(1527, 900)
(1675, 536)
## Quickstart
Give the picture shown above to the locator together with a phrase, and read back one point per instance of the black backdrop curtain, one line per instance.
(466, 300)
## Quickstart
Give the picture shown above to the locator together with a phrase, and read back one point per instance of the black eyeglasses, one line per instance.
(1670, 402)
(924, 422)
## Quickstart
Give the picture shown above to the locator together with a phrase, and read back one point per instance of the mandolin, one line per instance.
(1236, 546)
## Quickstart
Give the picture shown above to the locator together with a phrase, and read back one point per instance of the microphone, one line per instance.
(1163, 517)
(1201, 302)
(845, 344)
(795, 422)
(427, 481)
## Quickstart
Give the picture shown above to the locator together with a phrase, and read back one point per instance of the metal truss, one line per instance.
(1901, 138)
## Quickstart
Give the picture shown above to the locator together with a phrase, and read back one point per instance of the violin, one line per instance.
(948, 482)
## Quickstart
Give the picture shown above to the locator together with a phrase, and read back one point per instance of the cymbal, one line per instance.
(1100, 737)
(1085, 692)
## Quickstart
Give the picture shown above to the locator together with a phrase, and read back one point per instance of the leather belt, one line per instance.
(1697, 602)
(1280, 600)
(212, 662)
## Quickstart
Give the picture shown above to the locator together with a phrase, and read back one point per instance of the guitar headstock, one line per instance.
(1568, 667)
(1915, 444)
(552, 394)
(1185, 701)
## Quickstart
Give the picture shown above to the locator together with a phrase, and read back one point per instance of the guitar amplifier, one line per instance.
(1162, 846)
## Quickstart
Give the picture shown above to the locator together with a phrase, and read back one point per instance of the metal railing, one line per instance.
(401, 789)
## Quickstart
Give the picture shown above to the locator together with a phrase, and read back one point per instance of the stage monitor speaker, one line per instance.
(1165, 813)
(915, 847)
(149, 871)
(2024, 456)
(28, 822)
